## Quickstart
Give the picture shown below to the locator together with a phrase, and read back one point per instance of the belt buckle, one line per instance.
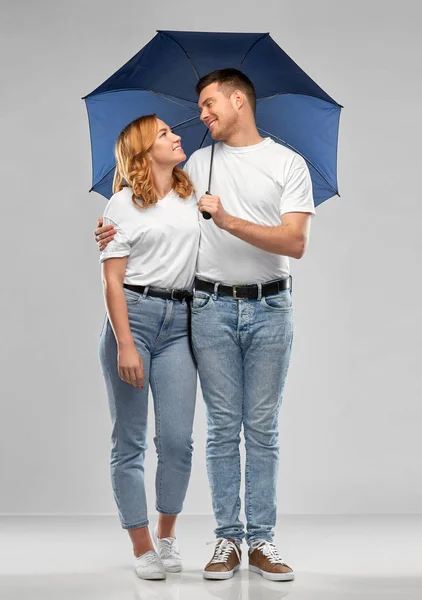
(235, 296)
(171, 296)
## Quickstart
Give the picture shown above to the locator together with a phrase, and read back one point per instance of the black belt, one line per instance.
(247, 292)
(160, 293)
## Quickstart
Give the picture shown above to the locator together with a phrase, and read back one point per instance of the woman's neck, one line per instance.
(163, 181)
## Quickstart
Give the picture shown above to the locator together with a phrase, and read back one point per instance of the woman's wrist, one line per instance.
(125, 342)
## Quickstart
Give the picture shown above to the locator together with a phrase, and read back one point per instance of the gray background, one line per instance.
(352, 410)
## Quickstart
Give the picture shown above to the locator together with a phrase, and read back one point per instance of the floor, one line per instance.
(334, 557)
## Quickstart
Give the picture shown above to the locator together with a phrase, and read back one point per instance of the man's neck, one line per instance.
(241, 139)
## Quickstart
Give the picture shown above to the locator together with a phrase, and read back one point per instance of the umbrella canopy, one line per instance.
(161, 78)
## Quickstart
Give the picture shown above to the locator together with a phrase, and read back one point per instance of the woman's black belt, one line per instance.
(159, 292)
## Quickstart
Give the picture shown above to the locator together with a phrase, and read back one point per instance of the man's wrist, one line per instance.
(229, 223)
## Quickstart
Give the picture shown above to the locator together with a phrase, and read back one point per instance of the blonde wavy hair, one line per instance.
(133, 166)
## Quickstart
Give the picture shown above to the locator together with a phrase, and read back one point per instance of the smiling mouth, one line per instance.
(211, 125)
(178, 148)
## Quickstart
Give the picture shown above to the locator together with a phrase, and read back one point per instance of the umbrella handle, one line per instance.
(206, 214)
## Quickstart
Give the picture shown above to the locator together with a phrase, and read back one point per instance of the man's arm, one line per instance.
(290, 238)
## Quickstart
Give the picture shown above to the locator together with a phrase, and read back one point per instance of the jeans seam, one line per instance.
(248, 489)
(159, 443)
(114, 480)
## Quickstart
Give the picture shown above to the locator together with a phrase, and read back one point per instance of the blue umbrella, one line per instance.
(161, 78)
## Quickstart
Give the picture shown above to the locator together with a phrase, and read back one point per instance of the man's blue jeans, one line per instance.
(242, 348)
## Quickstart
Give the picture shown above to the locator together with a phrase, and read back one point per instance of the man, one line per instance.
(242, 325)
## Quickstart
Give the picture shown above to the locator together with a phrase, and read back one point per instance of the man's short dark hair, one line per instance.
(233, 80)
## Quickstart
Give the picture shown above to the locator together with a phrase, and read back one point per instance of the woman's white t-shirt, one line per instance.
(161, 241)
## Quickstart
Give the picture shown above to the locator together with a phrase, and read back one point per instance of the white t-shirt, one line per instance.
(258, 183)
(161, 241)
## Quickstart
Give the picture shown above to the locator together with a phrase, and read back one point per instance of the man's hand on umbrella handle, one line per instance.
(212, 204)
(103, 234)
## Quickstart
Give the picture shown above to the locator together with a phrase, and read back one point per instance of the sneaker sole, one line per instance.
(220, 574)
(174, 569)
(154, 576)
(272, 576)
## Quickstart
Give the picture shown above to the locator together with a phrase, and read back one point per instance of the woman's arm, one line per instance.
(130, 364)
(113, 272)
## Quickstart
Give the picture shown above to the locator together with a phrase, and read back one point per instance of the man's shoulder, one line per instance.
(199, 156)
(281, 155)
(279, 149)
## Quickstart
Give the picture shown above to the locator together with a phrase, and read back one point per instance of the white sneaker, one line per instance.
(168, 552)
(149, 566)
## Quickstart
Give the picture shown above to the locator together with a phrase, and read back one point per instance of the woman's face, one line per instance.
(167, 149)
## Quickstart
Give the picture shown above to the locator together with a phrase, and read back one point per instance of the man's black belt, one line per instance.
(159, 292)
(247, 292)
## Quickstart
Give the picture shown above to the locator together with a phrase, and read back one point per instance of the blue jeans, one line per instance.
(160, 331)
(242, 348)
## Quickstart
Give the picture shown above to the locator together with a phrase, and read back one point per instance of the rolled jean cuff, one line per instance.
(261, 539)
(170, 513)
(136, 525)
(237, 541)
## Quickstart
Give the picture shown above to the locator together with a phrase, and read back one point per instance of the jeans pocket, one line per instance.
(200, 300)
(131, 296)
(278, 302)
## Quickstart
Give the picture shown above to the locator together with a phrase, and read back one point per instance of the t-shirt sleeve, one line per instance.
(297, 193)
(188, 167)
(118, 247)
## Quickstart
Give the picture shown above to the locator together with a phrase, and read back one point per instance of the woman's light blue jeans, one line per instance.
(160, 331)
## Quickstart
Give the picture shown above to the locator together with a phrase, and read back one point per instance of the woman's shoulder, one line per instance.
(191, 199)
(180, 199)
(119, 204)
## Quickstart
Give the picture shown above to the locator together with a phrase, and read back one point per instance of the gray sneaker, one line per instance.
(168, 551)
(149, 566)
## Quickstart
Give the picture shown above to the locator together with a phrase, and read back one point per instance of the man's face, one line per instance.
(217, 112)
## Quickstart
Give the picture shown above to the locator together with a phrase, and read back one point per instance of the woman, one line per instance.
(148, 272)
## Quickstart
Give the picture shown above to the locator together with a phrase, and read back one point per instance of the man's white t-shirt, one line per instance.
(258, 183)
(161, 241)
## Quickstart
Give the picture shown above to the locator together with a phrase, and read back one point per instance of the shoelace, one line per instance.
(269, 550)
(223, 550)
(168, 548)
(149, 557)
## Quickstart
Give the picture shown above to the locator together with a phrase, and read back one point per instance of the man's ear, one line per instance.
(238, 98)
